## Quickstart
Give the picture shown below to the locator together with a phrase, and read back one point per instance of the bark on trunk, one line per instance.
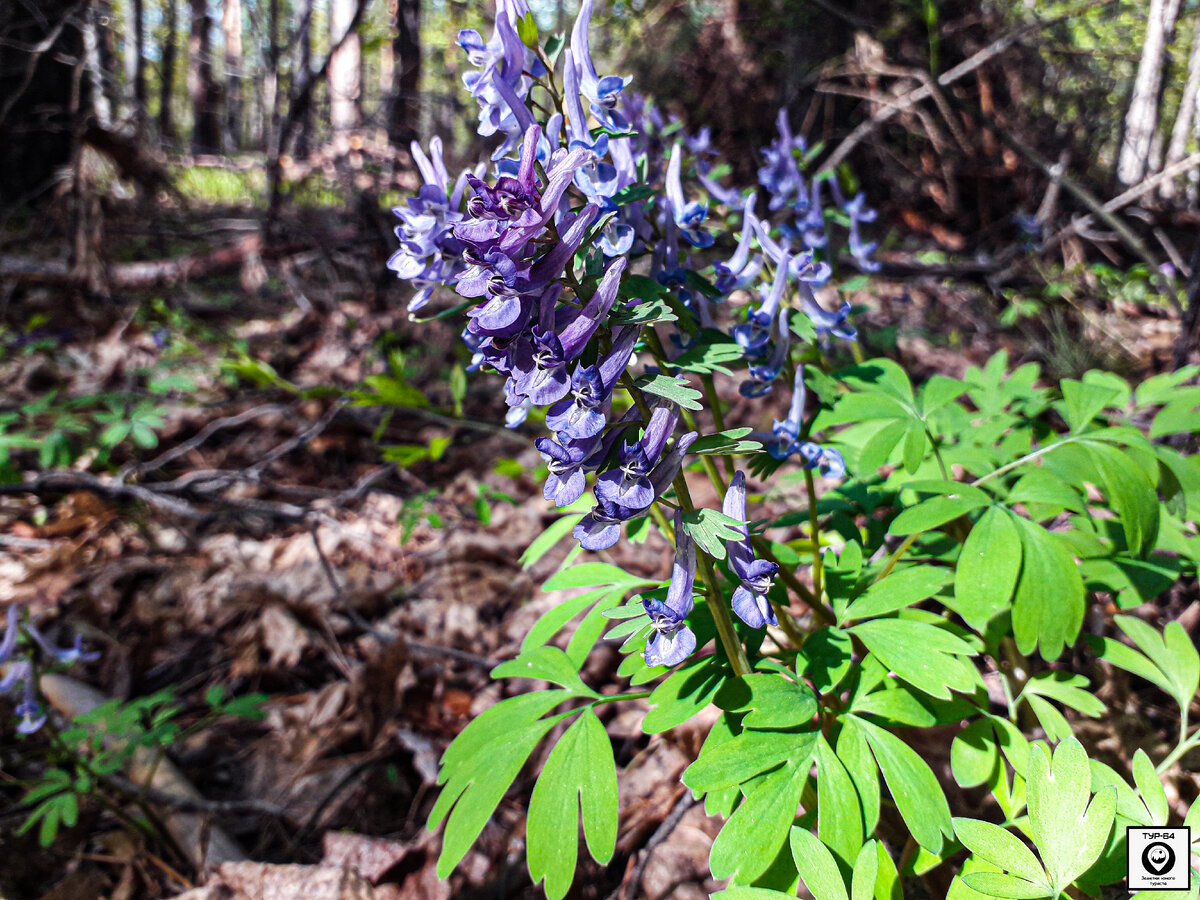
(302, 67)
(135, 61)
(166, 89)
(1182, 129)
(206, 96)
(95, 66)
(406, 52)
(1142, 119)
(343, 68)
(231, 25)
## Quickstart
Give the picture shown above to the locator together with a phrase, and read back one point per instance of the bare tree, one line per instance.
(202, 87)
(343, 67)
(231, 26)
(303, 63)
(94, 61)
(406, 52)
(166, 88)
(1141, 122)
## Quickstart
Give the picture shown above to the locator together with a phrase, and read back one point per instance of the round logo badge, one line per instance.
(1158, 857)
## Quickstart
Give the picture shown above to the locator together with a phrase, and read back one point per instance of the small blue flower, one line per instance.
(756, 575)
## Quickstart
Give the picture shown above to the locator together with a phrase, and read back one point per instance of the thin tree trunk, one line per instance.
(406, 49)
(95, 66)
(1182, 129)
(134, 60)
(343, 68)
(166, 89)
(270, 97)
(231, 25)
(301, 69)
(1142, 119)
(202, 87)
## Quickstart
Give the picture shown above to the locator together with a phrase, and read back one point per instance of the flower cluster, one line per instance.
(17, 669)
(589, 236)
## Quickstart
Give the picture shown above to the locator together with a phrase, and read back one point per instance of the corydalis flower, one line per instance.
(603, 92)
(671, 641)
(756, 575)
(629, 484)
(584, 411)
(754, 335)
(688, 216)
(785, 441)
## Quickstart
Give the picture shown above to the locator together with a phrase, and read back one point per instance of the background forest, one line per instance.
(293, 536)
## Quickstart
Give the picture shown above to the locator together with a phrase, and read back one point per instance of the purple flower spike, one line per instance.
(756, 575)
(672, 641)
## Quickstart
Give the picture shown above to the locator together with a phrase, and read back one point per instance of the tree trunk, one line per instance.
(231, 25)
(270, 94)
(202, 87)
(303, 64)
(135, 60)
(166, 89)
(94, 59)
(1182, 129)
(343, 68)
(1142, 119)
(406, 52)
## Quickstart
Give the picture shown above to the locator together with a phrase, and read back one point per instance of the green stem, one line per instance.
(714, 403)
(895, 557)
(1180, 749)
(615, 698)
(818, 571)
(1028, 457)
(716, 603)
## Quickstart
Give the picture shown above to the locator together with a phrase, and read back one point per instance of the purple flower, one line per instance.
(603, 92)
(763, 374)
(629, 484)
(671, 641)
(785, 441)
(756, 575)
(781, 174)
(584, 412)
(858, 212)
(688, 216)
(754, 335)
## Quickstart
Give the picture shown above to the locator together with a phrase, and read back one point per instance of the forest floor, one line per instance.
(265, 538)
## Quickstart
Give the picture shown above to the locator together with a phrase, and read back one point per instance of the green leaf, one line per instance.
(1084, 401)
(554, 619)
(1150, 788)
(1069, 690)
(644, 313)
(711, 528)
(839, 818)
(940, 390)
(1069, 833)
(579, 777)
(987, 569)
(923, 655)
(1049, 605)
(996, 884)
(758, 828)
(935, 511)
(1176, 660)
(816, 866)
(527, 30)
(1123, 657)
(683, 694)
(915, 442)
(545, 664)
(725, 443)
(1001, 848)
(913, 787)
(1131, 494)
(771, 701)
(739, 759)
(487, 780)
(709, 355)
(866, 872)
(899, 589)
(880, 446)
(589, 574)
(544, 542)
(673, 389)
(974, 755)
(741, 892)
(855, 754)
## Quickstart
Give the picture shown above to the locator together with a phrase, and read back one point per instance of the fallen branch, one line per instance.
(144, 275)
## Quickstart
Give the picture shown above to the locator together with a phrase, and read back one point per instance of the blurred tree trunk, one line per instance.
(270, 95)
(406, 52)
(304, 10)
(343, 68)
(231, 25)
(202, 87)
(1182, 129)
(94, 60)
(135, 60)
(1141, 122)
(166, 88)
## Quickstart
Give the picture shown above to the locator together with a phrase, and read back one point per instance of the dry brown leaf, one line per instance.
(368, 856)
